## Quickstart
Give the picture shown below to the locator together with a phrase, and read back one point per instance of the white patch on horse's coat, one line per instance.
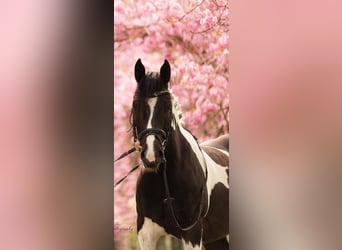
(149, 234)
(187, 135)
(189, 246)
(190, 139)
(150, 156)
(194, 146)
(216, 173)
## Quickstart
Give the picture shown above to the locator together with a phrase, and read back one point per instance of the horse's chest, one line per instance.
(149, 197)
(150, 204)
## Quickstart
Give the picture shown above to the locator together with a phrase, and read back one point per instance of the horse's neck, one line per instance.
(182, 145)
(183, 170)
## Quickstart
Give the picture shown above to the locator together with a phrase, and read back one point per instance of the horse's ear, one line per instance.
(139, 70)
(165, 72)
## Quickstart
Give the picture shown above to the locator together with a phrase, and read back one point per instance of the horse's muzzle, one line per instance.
(152, 164)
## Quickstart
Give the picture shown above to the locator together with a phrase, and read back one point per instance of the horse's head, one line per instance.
(152, 116)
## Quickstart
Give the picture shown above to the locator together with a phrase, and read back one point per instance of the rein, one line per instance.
(136, 148)
(168, 201)
(126, 154)
(129, 172)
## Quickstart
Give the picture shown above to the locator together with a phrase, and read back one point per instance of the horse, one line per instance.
(183, 188)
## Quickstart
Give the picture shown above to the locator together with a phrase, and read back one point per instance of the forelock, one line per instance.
(149, 85)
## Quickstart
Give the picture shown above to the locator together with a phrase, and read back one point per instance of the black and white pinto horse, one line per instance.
(183, 188)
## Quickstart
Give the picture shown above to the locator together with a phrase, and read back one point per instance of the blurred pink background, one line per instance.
(286, 121)
(32, 185)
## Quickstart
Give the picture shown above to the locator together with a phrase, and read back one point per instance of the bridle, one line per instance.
(163, 136)
(160, 134)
